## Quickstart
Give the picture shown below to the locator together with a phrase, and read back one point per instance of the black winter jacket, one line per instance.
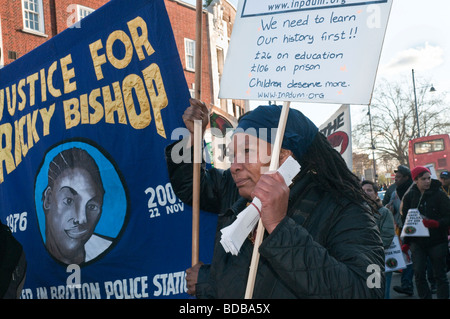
(325, 248)
(434, 204)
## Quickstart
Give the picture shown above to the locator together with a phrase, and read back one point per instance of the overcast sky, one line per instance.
(418, 38)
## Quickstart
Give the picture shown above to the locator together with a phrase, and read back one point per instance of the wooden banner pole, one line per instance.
(198, 139)
(274, 163)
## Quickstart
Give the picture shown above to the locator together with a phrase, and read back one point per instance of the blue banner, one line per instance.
(84, 120)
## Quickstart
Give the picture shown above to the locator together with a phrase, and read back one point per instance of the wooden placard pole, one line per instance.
(274, 163)
(198, 139)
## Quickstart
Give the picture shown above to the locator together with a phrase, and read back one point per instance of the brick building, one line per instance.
(183, 19)
(25, 24)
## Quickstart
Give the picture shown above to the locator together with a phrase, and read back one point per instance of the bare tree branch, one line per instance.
(394, 123)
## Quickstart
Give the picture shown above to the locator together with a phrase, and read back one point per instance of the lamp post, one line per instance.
(415, 103)
(372, 146)
(432, 89)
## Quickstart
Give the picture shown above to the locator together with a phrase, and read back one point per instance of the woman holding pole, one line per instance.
(320, 239)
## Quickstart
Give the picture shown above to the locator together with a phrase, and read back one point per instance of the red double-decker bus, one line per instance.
(431, 151)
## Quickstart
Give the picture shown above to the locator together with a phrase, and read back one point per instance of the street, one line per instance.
(396, 282)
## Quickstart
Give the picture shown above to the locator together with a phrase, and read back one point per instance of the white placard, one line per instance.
(338, 131)
(234, 235)
(414, 226)
(432, 170)
(394, 259)
(324, 51)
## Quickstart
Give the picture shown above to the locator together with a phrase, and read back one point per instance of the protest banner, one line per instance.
(84, 121)
(310, 51)
(338, 130)
(414, 226)
(394, 259)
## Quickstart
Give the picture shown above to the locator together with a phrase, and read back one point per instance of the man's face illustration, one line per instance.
(73, 207)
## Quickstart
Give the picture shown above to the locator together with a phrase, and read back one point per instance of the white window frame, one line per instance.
(189, 54)
(81, 9)
(39, 13)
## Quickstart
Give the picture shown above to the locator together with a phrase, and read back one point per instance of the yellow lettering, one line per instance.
(51, 88)
(24, 120)
(22, 147)
(22, 95)
(113, 106)
(139, 34)
(18, 141)
(43, 86)
(121, 36)
(31, 80)
(84, 109)
(46, 116)
(68, 74)
(157, 93)
(5, 152)
(140, 41)
(11, 100)
(71, 112)
(24, 139)
(98, 60)
(130, 83)
(97, 106)
(32, 132)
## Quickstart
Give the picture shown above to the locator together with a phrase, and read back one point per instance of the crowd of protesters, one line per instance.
(428, 257)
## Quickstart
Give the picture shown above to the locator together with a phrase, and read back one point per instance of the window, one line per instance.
(220, 61)
(33, 17)
(12, 55)
(429, 146)
(189, 53)
(77, 13)
(83, 11)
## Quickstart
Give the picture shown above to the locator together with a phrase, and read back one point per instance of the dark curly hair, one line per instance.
(329, 170)
(74, 158)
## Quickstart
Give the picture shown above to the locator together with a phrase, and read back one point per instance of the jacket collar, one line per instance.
(435, 185)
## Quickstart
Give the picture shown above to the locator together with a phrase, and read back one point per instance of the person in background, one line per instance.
(445, 180)
(384, 220)
(385, 223)
(434, 206)
(403, 182)
(402, 175)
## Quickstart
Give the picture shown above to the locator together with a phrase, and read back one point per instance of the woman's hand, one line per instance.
(192, 277)
(197, 111)
(273, 193)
